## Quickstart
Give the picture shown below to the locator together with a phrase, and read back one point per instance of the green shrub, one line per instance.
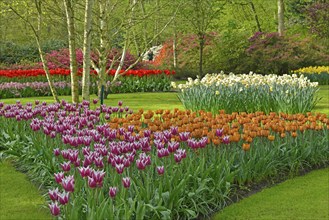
(11, 53)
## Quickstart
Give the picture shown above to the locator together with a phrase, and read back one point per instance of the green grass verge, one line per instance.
(323, 105)
(148, 100)
(160, 100)
(19, 198)
(304, 197)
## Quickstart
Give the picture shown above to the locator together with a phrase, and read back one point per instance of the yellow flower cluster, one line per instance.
(313, 70)
(247, 80)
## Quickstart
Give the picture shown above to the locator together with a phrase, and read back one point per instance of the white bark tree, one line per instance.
(281, 17)
(72, 48)
(130, 20)
(37, 35)
(86, 50)
(174, 45)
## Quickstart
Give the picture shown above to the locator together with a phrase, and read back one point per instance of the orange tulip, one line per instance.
(271, 137)
(245, 146)
(294, 134)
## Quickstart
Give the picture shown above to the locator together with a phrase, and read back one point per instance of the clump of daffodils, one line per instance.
(247, 80)
(313, 70)
(249, 93)
(318, 74)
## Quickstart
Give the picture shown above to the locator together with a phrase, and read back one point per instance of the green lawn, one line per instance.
(323, 105)
(148, 100)
(304, 197)
(161, 100)
(20, 199)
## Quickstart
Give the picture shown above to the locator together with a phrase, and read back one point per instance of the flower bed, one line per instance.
(29, 83)
(249, 93)
(32, 89)
(110, 162)
(318, 74)
(66, 72)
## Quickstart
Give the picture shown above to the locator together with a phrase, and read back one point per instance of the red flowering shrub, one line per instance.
(269, 53)
(187, 54)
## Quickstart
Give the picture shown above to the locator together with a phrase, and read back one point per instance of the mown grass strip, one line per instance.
(304, 197)
(159, 100)
(19, 198)
(135, 101)
(323, 105)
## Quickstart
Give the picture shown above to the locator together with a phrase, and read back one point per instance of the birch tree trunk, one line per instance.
(72, 48)
(174, 44)
(102, 50)
(105, 7)
(280, 17)
(45, 68)
(86, 51)
(43, 60)
(37, 34)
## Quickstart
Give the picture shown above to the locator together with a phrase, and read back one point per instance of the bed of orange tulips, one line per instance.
(239, 127)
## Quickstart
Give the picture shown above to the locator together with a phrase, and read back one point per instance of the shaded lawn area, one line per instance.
(304, 197)
(19, 198)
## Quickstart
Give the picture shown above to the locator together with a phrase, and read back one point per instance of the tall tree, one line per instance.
(280, 17)
(255, 15)
(72, 48)
(37, 35)
(244, 4)
(86, 50)
(200, 14)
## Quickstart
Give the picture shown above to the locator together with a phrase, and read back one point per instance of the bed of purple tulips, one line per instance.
(94, 172)
(38, 86)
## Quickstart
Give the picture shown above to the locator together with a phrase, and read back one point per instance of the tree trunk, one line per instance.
(201, 44)
(86, 51)
(144, 23)
(123, 56)
(280, 17)
(103, 54)
(174, 45)
(72, 48)
(156, 23)
(37, 33)
(45, 68)
(256, 16)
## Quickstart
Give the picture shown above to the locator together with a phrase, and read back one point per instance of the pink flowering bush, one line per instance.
(61, 59)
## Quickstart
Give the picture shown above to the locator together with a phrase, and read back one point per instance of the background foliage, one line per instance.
(228, 44)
